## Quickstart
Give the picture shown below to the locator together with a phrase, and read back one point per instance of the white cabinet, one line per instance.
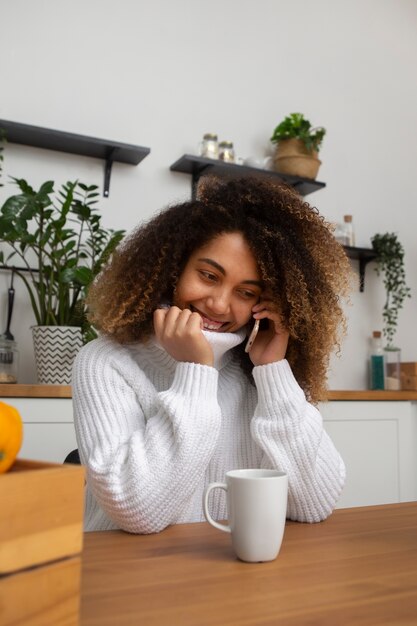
(378, 442)
(48, 425)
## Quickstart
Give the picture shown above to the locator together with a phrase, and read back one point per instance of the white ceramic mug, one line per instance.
(257, 507)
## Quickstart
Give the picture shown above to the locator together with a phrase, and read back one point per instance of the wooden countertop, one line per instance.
(367, 394)
(35, 391)
(64, 391)
(359, 567)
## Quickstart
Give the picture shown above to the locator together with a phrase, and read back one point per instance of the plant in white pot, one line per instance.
(297, 146)
(61, 246)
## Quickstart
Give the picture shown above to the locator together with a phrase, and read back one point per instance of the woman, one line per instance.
(167, 400)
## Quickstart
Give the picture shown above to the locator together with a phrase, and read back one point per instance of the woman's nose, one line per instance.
(219, 302)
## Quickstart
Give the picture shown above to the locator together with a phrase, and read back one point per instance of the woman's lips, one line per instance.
(208, 323)
(211, 325)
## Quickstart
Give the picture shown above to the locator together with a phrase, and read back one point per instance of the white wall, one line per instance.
(160, 73)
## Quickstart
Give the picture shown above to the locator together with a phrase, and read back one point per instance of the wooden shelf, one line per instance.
(364, 256)
(109, 151)
(198, 166)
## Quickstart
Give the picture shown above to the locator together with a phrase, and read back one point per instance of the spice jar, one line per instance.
(209, 147)
(226, 152)
(9, 361)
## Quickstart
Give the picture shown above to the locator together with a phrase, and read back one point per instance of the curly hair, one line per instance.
(301, 264)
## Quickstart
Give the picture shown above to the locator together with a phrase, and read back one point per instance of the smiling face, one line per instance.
(221, 281)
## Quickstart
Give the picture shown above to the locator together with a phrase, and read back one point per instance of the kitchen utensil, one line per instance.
(8, 345)
(7, 334)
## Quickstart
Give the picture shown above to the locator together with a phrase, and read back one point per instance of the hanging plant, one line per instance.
(390, 262)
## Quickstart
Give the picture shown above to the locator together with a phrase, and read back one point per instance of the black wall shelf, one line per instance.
(198, 166)
(364, 256)
(109, 151)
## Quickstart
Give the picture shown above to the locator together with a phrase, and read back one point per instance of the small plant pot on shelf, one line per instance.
(292, 157)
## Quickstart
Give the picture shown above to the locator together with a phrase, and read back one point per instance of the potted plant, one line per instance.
(61, 246)
(390, 262)
(297, 146)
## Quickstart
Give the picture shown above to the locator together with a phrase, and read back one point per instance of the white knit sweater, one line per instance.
(153, 433)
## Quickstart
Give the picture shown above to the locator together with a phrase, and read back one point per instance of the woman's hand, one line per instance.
(179, 333)
(270, 345)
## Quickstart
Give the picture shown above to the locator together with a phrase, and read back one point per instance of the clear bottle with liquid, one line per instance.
(376, 362)
(340, 234)
(349, 230)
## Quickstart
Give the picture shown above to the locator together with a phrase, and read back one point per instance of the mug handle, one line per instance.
(224, 527)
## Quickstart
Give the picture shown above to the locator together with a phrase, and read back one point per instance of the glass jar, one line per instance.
(209, 147)
(9, 361)
(226, 152)
(392, 368)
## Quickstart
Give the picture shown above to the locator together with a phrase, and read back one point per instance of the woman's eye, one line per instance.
(248, 295)
(208, 275)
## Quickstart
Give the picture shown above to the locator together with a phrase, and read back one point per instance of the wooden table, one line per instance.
(359, 567)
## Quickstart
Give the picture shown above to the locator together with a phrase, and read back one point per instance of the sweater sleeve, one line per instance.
(290, 432)
(145, 452)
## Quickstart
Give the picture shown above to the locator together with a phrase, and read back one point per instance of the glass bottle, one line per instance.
(209, 147)
(9, 361)
(226, 152)
(392, 358)
(340, 234)
(349, 231)
(376, 362)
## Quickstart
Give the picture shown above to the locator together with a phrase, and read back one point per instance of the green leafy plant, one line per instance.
(59, 239)
(390, 261)
(295, 126)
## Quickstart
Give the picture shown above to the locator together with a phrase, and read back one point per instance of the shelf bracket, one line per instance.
(362, 265)
(364, 256)
(107, 172)
(195, 177)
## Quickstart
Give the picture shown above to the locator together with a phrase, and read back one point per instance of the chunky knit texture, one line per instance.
(153, 433)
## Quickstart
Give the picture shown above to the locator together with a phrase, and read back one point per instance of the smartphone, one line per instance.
(252, 336)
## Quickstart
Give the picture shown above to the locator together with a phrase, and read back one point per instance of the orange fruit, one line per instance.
(11, 435)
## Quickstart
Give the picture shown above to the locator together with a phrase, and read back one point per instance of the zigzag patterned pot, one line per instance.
(55, 350)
